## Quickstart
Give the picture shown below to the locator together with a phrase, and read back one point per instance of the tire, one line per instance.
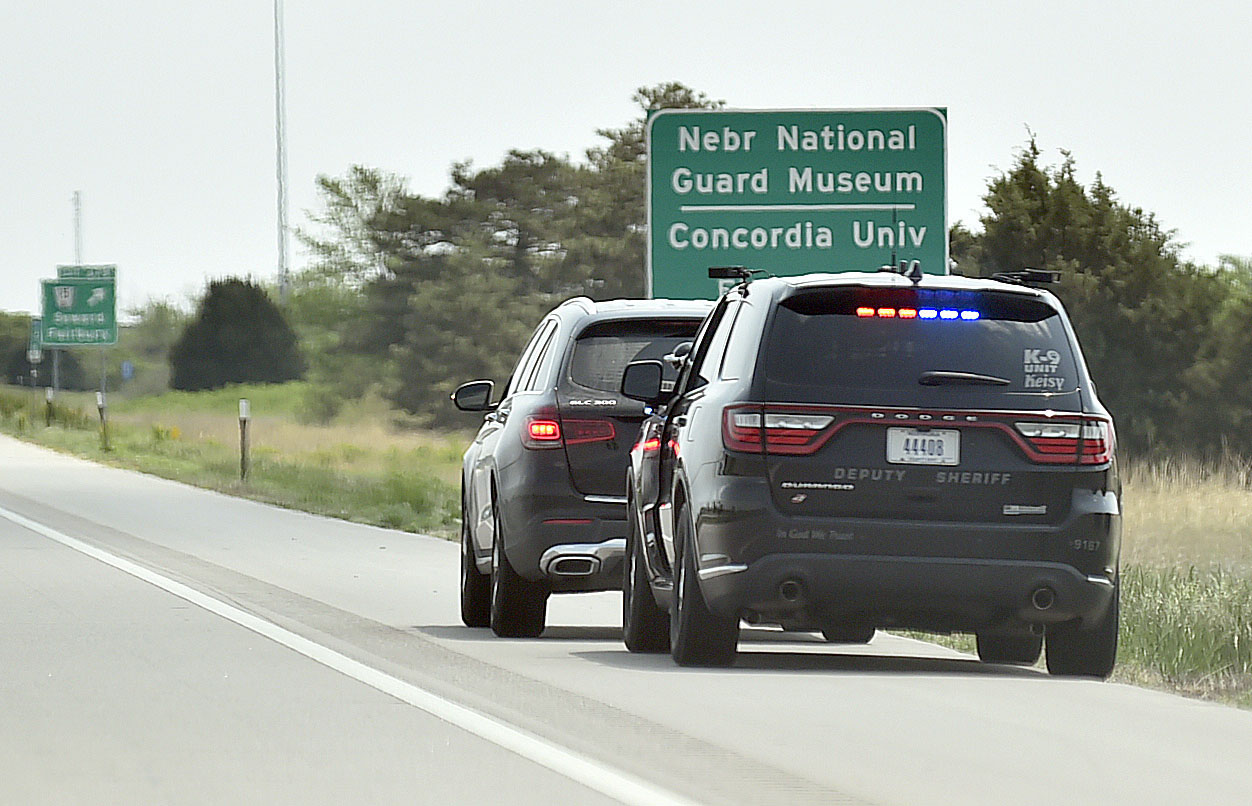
(698, 636)
(1023, 650)
(645, 627)
(848, 634)
(519, 607)
(475, 585)
(1075, 652)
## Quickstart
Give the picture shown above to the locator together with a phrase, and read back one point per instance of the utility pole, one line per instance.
(280, 135)
(78, 261)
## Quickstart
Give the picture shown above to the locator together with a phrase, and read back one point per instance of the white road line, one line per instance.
(586, 771)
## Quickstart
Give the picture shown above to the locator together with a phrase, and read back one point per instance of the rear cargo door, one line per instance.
(896, 404)
(598, 424)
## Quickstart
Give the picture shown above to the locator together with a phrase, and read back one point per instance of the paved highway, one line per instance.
(162, 644)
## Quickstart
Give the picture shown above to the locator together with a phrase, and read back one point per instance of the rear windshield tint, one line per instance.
(854, 346)
(603, 350)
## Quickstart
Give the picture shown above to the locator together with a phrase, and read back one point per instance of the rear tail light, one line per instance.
(546, 432)
(542, 433)
(792, 432)
(579, 432)
(651, 445)
(1087, 442)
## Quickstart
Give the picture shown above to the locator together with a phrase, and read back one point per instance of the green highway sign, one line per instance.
(34, 354)
(79, 312)
(793, 192)
(101, 271)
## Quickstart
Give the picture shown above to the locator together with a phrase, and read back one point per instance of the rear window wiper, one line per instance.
(946, 378)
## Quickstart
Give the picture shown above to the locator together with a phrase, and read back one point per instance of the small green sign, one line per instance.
(79, 312)
(98, 271)
(34, 354)
(793, 192)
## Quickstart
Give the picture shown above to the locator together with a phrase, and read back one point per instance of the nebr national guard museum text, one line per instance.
(792, 192)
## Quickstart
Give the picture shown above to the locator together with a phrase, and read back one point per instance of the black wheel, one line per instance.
(645, 627)
(697, 636)
(1073, 651)
(519, 607)
(475, 585)
(1019, 649)
(848, 634)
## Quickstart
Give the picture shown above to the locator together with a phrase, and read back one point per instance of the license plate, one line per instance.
(923, 446)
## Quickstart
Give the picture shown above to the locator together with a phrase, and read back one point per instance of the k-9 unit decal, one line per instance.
(1040, 370)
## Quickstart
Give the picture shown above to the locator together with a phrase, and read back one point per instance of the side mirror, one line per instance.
(642, 381)
(677, 358)
(474, 396)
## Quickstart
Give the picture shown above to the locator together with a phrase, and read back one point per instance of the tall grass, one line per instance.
(1190, 629)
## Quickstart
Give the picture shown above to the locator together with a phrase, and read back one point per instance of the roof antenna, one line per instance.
(914, 271)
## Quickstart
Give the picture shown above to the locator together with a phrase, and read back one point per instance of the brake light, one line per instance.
(651, 445)
(542, 433)
(773, 430)
(1086, 442)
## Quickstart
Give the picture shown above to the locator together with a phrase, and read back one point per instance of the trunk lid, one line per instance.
(917, 404)
(599, 425)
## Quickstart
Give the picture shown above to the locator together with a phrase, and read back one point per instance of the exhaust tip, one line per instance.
(791, 590)
(1043, 598)
(573, 566)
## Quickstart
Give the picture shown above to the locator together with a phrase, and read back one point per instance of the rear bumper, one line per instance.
(548, 534)
(922, 592)
(942, 576)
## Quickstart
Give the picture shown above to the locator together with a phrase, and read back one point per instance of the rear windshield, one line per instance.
(603, 350)
(920, 347)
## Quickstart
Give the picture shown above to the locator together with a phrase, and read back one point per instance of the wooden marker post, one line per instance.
(245, 414)
(101, 407)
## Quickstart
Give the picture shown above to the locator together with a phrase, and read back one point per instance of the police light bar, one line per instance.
(947, 314)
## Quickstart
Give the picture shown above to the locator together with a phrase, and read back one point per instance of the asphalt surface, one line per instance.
(162, 644)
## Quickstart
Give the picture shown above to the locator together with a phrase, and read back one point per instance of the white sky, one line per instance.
(162, 113)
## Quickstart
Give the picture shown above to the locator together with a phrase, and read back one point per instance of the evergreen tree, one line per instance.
(238, 335)
(1141, 313)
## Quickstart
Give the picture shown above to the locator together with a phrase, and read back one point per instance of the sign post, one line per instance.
(793, 192)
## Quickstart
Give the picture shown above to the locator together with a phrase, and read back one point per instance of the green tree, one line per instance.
(1142, 313)
(238, 335)
(515, 239)
(1221, 376)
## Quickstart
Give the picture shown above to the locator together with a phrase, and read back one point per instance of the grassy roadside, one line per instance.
(1186, 621)
(1186, 561)
(359, 470)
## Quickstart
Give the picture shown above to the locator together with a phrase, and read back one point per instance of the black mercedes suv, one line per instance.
(850, 452)
(543, 508)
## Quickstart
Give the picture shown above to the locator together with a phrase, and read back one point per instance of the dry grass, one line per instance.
(361, 447)
(1182, 514)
